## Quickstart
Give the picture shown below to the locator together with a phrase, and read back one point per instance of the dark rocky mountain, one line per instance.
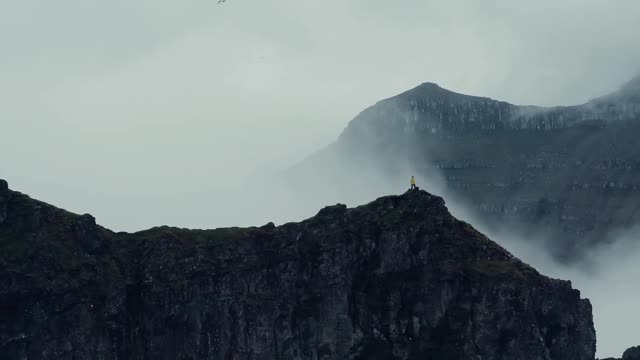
(631, 354)
(570, 173)
(399, 278)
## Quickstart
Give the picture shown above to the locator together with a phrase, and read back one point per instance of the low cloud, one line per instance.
(149, 112)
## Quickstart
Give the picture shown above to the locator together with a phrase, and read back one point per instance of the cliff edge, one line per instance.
(398, 278)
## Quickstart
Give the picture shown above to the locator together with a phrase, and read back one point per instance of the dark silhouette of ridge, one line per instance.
(396, 278)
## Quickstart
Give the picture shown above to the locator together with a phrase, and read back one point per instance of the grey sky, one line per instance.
(107, 103)
(148, 112)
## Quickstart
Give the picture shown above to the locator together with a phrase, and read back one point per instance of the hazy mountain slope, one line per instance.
(570, 172)
(398, 278)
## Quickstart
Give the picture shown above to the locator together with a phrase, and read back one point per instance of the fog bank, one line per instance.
(151, 112)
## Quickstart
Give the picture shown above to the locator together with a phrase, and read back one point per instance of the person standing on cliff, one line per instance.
(413, 182)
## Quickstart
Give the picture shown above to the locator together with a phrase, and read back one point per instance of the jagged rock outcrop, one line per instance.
(630, 354)
(4, 193)
(399, 278)
(570, 173)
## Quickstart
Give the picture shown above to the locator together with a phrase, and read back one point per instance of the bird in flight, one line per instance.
(221, 1)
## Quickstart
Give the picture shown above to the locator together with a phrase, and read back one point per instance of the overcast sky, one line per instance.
(149, 112)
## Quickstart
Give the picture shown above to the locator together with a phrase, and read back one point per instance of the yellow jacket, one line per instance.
(413, 180)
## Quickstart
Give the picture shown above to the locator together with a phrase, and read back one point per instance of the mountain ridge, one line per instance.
(393, 279)
(569, 172)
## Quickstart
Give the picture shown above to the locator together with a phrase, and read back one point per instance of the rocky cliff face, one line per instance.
(398, 278)
(570, 171)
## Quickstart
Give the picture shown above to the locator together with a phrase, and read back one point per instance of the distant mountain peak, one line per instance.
(429, 84)
(427, 87)
(433, 91)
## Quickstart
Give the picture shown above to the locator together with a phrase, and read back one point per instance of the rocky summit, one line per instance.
(570, 174)
(398, 278)
(631, 354)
